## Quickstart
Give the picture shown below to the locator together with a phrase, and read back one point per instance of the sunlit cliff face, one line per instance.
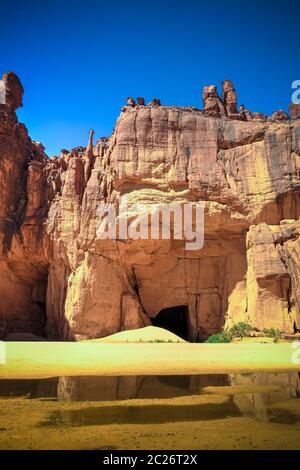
(58, 279)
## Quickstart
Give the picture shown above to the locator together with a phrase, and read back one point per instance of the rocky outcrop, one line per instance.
(23, 208)
(213, 105)
(229, 98)
(57, 278)
(13, 91)
(294, 110)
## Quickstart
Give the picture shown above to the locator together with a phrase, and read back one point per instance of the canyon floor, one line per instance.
(147, 389)
(259, 411)
(24, 426)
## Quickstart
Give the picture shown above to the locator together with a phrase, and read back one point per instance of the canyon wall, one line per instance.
(59, 280)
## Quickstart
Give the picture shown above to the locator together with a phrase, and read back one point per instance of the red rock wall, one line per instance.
(57, 278)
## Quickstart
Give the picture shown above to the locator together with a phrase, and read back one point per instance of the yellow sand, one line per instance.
(22, 426)
(149, 334)
(193, 422)
(50, 359)
(241, 389)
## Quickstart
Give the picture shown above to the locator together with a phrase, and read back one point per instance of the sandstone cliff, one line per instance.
(59, 280)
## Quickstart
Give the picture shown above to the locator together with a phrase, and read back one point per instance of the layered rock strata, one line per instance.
(59, 280)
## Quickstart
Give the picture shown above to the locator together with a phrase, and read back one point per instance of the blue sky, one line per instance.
(79, 60)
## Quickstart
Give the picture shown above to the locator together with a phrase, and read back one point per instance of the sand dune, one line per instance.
(149, 334)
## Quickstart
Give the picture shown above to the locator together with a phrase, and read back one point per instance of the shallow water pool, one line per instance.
(257, 410)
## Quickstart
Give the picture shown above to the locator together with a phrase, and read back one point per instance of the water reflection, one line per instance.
(130, 387)
(36, 388)
(263, 405)
(268, 397)
(93, 388)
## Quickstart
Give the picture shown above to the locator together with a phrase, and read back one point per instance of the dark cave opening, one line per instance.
(173, 319)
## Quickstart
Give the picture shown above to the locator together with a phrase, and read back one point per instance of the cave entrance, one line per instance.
(173, 319)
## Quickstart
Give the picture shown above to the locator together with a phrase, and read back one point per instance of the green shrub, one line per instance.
(223, 337)
(272, 333)
(240, 330)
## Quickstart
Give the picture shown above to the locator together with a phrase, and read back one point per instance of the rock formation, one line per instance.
(57, 279)
(23, 208)
(279, 115)
(155, 102)
(294, 110)
(13, 91)
(213, 105)
(88, 157)
(140, 101)
(130, 102)
(229, 98)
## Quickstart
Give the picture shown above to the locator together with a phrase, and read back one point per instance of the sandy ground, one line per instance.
(194, 422)
(209, 420)
(41, 359)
